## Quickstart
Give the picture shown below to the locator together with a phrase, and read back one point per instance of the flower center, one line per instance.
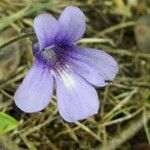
(48, 54)
(53, 57)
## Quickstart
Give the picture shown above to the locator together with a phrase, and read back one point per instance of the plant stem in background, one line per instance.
(18, 38)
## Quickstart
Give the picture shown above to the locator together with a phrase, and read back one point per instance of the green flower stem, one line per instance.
(18, 38)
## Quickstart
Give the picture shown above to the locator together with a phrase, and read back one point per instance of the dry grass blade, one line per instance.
(126, 133)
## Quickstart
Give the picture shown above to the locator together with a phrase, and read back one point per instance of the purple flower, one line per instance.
(74, 69)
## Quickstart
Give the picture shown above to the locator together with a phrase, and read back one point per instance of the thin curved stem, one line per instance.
(18, 38)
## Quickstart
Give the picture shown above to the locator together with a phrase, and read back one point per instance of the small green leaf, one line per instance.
(7, 123)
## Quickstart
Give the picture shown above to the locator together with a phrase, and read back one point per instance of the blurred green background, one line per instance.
(120, 27)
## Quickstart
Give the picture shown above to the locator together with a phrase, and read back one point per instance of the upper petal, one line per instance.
(96, 66)
(71, 25)
(35, 92)
(46, 28)
(76, 98)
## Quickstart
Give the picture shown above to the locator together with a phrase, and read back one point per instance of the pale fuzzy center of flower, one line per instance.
(48, 54)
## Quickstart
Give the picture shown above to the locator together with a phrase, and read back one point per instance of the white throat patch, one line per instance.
(67, 79)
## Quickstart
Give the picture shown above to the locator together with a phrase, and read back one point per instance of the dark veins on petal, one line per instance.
(53, 57)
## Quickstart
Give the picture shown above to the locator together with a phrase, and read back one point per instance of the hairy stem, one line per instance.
(18, 38)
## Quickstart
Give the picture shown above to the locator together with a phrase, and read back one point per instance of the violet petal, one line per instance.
(35, 92)
(46, 27)
(76, 98)
(71, 25)
(96, 66)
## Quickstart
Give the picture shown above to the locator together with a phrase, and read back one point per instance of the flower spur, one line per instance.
(75, 70)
